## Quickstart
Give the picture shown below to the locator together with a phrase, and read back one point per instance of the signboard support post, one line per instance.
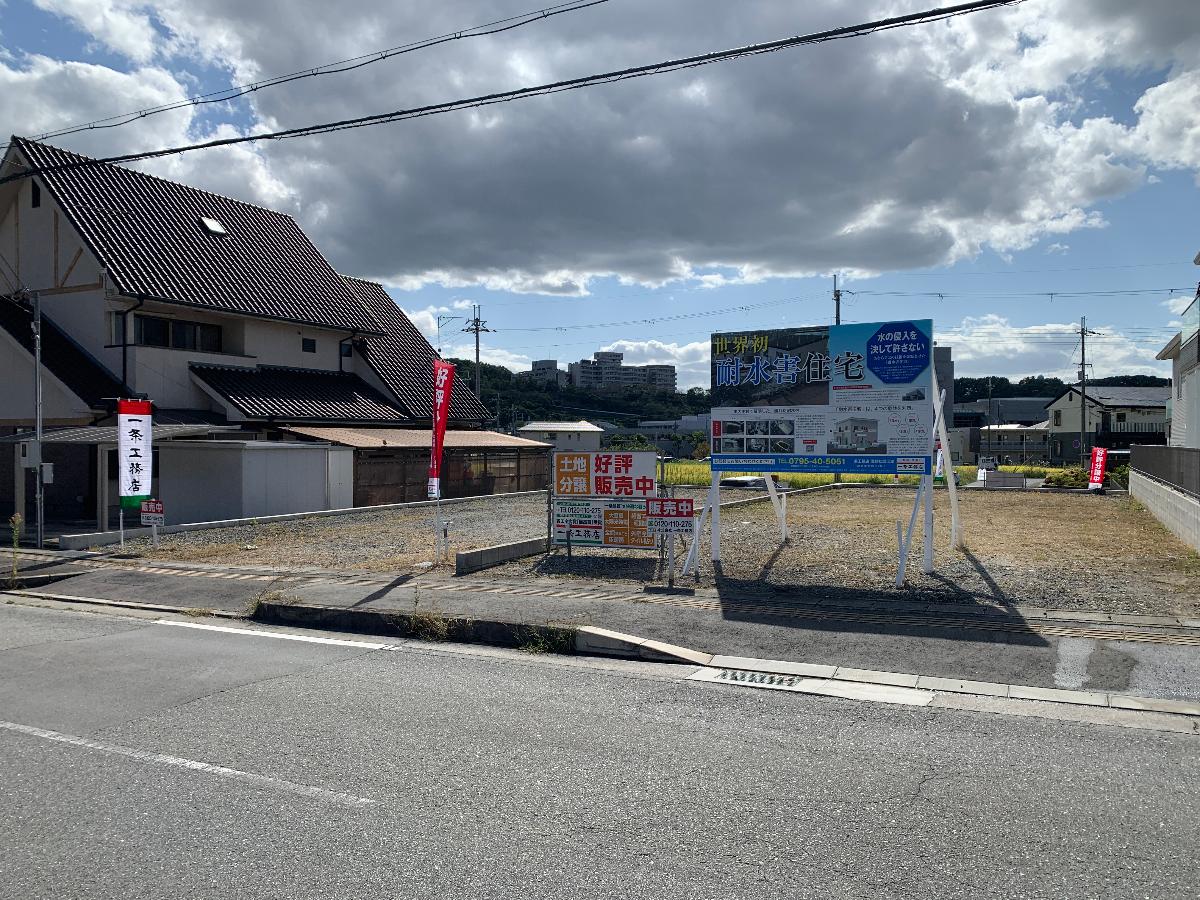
(692, 559)
(940, 429)
(927, 537)
(906, 538)
(121, 525)
(154, 535)
(714, 507)
(780, 505)
(671, 562)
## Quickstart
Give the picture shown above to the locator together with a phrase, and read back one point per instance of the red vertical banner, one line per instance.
(135, 460)
(1096, 469)
(443, 382)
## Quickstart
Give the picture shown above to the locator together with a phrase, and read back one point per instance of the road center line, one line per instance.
(162, 759)
(250, 632)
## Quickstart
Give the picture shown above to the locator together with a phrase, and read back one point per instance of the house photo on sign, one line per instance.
(845, 398)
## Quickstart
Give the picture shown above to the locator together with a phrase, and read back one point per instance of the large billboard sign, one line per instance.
(845, 398)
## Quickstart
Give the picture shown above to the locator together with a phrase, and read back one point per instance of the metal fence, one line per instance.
(1177, 466)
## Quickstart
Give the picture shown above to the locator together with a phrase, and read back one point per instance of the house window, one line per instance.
(116, 329)
(1058, 417)
(36, 193)
(308, 345)
(1120, 417)
(178, 334)
(347, 349)
(212, 226)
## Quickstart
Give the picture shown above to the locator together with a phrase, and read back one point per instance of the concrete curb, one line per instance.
(421, 626)
(126, 604)
(469, 561)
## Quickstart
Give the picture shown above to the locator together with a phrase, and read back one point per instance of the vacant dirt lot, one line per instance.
(378, 541)
(1055, 550)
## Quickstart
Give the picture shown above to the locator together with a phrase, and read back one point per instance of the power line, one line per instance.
(656, 320)
(986, 295)
(226, 95)
(570, 84)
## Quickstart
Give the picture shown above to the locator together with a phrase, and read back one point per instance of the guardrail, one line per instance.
(1178, 467)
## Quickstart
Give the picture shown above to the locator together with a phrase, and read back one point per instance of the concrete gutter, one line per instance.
(104, 538)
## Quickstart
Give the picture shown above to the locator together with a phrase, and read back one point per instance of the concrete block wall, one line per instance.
(1177, 511)
(486, 557)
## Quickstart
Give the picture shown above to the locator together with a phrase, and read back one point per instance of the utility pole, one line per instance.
(837, 320)
(476, 325)
(440, 321)
(37, 417)
(1083, 333)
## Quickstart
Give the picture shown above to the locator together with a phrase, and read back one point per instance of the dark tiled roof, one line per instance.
(1124, 396)
(147, 233)
(65, 359)
(403, 359)
(283, 394)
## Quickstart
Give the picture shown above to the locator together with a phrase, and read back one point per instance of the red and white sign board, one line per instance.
(620, 475)
(443, 384)
(152, 513)
(669, 516)
(1096, 469)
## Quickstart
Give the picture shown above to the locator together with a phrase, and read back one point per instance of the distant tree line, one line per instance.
(520, 400)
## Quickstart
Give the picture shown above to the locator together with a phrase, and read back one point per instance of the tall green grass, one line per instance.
(684, 472)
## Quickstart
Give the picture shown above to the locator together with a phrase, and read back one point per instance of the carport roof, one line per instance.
(416, 438)
(107, 434)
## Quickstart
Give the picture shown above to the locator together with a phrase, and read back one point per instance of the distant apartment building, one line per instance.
(606, 370)
(546, 370)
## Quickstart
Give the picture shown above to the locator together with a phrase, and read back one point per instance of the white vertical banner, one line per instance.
(134, 453)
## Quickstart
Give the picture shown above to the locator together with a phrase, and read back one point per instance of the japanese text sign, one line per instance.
(602, 523)
(443, 383)
(847, 398)
(135, 464)
(615, 474)
(1096, 469)
(665, 515)
(152, 513)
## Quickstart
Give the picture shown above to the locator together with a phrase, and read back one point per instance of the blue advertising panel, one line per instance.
(848, 398)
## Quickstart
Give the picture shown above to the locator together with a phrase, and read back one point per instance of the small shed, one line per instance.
(581, 435)
(391, 465)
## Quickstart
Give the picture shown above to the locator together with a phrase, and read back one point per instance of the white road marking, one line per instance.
(162, 759)
(250, 632)
(1071, 668)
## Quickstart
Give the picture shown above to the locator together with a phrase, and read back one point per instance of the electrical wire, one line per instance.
(226, 95)
(689, 62)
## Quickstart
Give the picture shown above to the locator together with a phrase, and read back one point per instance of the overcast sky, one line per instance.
(974, 171)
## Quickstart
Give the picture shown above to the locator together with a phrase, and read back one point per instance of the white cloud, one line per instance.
(991, 345)
(936, 141)
(496, 356)
(1178, 304)
(1058, 248)
(121, 26)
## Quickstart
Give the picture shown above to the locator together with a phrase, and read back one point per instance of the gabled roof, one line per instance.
(284, 394)
(148, 234)
(581, 425)
(1121, 396)
(66, 360)
(403, 359)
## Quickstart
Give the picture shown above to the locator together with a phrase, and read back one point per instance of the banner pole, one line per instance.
(121, 525)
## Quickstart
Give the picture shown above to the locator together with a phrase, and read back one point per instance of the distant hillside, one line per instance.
(524, 399)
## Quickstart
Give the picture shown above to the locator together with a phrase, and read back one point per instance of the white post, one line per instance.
(906, 539)
(714, 502)
(154, 534)
(777, 503)
(927, 561)
(693, 555)
(943, 436)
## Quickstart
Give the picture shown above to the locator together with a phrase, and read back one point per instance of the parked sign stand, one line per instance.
(153, 515)
(599, 499)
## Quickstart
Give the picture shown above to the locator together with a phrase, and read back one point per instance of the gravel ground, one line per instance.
(382, 540)
(1067, 551)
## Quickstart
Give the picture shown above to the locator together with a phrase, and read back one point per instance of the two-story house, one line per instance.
(1116, 418)
(221, 312)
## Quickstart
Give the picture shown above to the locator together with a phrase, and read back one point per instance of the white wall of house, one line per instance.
(60, 406)
(1185, 405)
(205, 481)
(566, 440)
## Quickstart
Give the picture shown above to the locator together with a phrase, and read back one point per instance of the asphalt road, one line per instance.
(1129, 667)
(464, 772)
